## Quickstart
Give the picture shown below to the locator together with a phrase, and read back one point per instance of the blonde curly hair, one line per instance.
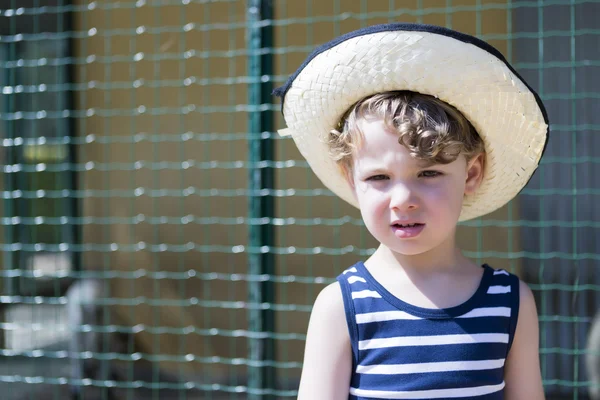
(432, 130)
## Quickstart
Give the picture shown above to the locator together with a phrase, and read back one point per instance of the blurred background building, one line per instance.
(161, 241)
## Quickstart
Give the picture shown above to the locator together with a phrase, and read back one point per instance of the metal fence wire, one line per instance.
(160, 240)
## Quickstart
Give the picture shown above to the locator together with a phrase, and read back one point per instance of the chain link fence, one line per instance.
(161, 241)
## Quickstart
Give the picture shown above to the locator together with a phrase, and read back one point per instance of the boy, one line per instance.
(419, 127)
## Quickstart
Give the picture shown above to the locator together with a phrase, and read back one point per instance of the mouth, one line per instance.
(407, 225)
(405, 231)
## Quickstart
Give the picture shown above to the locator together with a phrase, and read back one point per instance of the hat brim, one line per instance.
(459, 69)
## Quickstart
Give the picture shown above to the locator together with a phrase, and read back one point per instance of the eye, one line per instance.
(429, 174)
(379, 177)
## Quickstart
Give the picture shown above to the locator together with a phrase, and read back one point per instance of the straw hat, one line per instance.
(459, 69)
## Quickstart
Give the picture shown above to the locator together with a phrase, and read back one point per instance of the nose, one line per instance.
(403, 198)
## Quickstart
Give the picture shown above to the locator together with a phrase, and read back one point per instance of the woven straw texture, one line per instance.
(498, 104)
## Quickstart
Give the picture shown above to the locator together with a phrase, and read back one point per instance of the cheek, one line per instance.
(372, 201)
(449, 194)
(363, 189)
(436, 192)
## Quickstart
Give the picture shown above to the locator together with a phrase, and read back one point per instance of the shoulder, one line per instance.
(525, 294)
(526, 324)
(330, 302)
(328, 316)
(527, 308)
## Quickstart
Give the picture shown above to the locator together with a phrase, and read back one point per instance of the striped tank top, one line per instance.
(401, 351)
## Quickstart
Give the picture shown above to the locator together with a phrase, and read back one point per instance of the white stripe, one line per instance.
(392, 369)
(354, 278)
(365, 293)
(498, 289)
(429, 394)
(353, 269)
(383, 316)
(487, 312)
(500, 272)
(400, 341)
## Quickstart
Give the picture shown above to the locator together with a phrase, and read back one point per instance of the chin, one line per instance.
(413, 246)
(409, 247)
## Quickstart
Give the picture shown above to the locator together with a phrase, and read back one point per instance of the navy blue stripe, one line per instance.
(502, 279)
(497, 300)
(371, 304)
(439, 353)
(437, 380)
(425, 327)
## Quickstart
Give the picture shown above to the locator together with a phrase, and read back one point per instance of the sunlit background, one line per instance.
(161, 241)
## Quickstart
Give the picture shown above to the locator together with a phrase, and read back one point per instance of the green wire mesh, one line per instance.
(137, 261)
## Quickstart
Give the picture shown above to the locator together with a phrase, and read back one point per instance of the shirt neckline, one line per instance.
(424, 312)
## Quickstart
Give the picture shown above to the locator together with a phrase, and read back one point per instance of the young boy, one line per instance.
(419, 127)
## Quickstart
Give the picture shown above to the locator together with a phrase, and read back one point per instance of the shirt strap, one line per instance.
(350, 311)
(514, 308)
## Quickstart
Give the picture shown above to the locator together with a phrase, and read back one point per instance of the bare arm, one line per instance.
(522, 372)
(327, 355)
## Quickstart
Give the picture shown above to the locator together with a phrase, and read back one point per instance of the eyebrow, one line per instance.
(426, 164)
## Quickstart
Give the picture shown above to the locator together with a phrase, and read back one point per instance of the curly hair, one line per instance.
(432, 130)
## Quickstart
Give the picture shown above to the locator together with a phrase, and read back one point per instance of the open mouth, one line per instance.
(407, 225)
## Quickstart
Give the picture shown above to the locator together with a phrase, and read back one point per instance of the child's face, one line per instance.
(394, 190)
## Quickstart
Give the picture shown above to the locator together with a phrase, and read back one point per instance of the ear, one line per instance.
(475, 168)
